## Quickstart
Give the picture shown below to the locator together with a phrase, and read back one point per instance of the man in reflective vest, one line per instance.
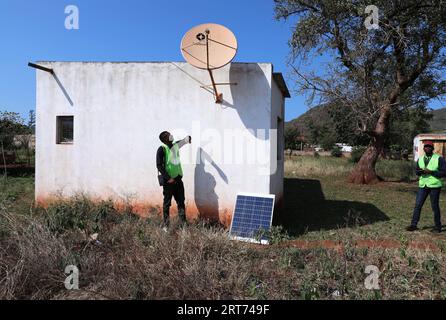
(169, 166)
(430, 168)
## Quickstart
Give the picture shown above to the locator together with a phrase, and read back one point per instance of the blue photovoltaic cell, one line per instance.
(252, 215)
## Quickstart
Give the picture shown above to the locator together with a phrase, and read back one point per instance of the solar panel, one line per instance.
(252, 218)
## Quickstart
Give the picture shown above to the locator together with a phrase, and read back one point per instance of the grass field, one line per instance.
(134, 259)
(319, 203)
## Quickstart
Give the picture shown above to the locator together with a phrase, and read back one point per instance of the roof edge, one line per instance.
(426, 135)
(280, 81)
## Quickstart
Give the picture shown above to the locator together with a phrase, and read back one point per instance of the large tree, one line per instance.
(375, 72)
(11, 124)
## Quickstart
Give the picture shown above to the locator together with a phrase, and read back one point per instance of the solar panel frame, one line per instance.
(255, 195)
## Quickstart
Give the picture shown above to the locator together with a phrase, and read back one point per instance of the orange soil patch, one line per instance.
(365, 243)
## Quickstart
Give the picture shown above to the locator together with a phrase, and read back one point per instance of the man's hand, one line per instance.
(186, 140)
(171, 181)
(427, 171)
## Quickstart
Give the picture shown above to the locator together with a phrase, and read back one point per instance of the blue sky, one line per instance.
(132, 30)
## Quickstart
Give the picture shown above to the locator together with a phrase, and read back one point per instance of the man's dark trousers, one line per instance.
(435, 202)
(175, 190)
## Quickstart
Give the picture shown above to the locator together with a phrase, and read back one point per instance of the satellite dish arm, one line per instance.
(218, 96)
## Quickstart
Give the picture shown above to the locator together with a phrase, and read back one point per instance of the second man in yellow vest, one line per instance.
(431, 168)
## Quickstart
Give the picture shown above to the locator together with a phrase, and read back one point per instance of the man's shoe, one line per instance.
(411, 228)
(436, 230)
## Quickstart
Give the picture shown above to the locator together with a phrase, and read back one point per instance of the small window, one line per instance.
(65, 130)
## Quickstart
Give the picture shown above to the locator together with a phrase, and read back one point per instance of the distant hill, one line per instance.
(320, 115)
(438, 123)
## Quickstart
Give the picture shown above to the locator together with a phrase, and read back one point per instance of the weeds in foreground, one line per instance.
(133, 258)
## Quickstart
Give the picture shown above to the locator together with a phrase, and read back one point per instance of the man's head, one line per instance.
(166, 137)
(428, 147)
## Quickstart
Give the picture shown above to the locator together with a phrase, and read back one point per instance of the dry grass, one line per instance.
(135, 259)
(309, 166)
(32, 259)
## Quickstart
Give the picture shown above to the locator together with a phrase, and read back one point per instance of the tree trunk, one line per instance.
(364, 172)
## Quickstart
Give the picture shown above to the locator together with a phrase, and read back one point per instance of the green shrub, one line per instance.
(278, 234)
(336, 152)
(396, 148)
(78, 213)
(328, 142)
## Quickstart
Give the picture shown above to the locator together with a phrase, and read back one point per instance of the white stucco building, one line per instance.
(98, 124)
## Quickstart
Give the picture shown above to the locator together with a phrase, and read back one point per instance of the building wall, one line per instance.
(119, 110)
(277, 143)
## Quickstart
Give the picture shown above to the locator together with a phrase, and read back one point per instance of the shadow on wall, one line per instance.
(306, 209)
(244, 100)
(247, 102)
(64, 91)
(203, 85)
(206, 199)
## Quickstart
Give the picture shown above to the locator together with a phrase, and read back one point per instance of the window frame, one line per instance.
(59, 130)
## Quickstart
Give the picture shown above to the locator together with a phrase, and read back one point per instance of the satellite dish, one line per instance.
(209, 46)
